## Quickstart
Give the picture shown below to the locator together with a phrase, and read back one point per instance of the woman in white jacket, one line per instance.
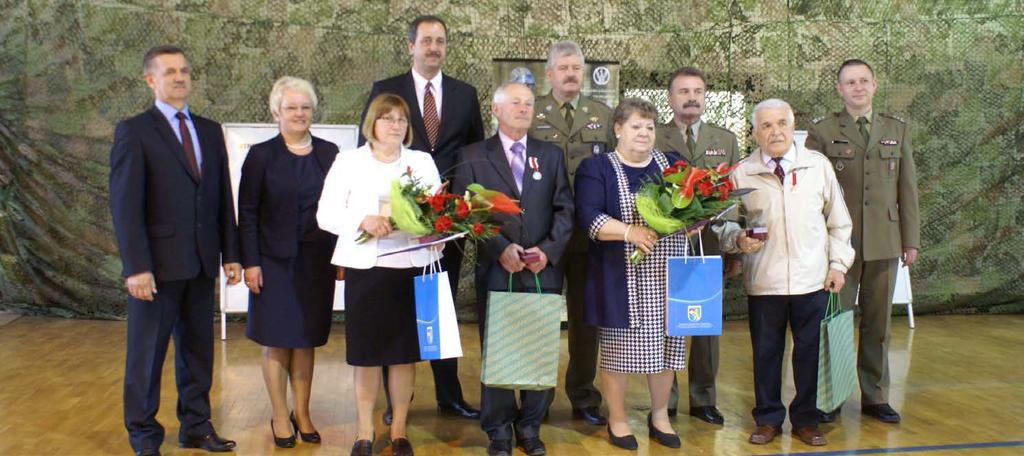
(380, 308)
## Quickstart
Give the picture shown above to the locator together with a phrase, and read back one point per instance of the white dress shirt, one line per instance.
(421, 89)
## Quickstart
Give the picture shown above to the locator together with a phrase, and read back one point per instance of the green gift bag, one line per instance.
(521, 339)
(837, 375)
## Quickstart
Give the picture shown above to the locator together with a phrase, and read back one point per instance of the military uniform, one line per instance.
(590, 133)
(714, 145)
(880, 189)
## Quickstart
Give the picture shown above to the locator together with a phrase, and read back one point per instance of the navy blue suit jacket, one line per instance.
(461, 123)
(547, 218)
(165, 221)
(268, 201)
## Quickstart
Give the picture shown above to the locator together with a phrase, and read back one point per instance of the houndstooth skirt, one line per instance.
(643, 347)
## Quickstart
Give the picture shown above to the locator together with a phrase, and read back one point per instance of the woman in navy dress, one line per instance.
(287, 257)
(627, 301)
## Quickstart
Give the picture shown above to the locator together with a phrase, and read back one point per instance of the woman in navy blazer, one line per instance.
(626, 301)
(286, 256)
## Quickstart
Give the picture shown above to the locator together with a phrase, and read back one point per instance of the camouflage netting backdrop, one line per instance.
(70, 70)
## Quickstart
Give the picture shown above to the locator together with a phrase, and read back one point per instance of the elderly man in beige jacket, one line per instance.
(788, 274)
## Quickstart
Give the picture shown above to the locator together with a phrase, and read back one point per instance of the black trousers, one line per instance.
(182, 309)
(582, 367)
(447, 389)
(500, 417)
(769, 316)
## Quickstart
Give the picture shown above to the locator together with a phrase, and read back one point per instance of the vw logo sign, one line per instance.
(602, 75)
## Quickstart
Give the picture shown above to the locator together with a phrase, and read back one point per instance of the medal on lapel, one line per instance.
(535, 166)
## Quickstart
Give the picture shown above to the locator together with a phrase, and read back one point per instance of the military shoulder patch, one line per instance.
(891, 116)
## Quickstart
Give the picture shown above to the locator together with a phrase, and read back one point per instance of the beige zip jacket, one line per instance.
(808, 224)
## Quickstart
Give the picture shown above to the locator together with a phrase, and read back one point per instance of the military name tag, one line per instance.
(889, 142)
(543, 126)
(715, 152)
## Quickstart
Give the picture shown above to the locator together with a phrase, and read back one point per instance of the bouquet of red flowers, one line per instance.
(425, 214)
(685, 198)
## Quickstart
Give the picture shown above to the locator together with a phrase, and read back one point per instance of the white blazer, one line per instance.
(347, 199)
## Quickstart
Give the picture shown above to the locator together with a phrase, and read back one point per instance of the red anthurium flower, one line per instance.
(680, 164)
(696, 174)
(724, 169)
(442, 224)
(461, 209)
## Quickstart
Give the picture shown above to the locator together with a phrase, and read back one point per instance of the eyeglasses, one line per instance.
(394, 120)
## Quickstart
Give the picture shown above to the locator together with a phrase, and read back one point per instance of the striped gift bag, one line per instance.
(521, 340)
(837, 374)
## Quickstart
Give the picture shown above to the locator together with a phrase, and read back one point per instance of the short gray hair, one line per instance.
(771, 103)
(290, 83)
(499, 93)
(562, 49)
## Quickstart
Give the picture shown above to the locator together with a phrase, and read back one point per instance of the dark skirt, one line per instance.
(293, 309)
(380, 317)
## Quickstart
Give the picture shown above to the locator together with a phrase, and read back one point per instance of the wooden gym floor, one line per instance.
(957, 380)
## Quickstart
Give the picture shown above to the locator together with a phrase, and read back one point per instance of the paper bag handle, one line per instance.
(536, 280)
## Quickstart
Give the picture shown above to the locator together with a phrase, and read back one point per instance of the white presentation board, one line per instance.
(238, 138)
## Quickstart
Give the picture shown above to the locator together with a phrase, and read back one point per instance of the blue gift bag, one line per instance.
(435, 317)
(694, 304)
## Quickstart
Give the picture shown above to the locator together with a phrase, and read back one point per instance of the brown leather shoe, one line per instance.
(763, 435)
(810, 435)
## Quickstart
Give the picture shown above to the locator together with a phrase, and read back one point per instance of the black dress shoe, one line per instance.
(401, 447)
(282, 442)
(362, 448)
(664, 438)
(627, 441)
(533, 446)
(591, 415)
(460, 408)
(387, 416)
(828, 417)
(499, 448)
(148, 452)
(312, 437)
(210, 442)
(708, 414)
(881, 412)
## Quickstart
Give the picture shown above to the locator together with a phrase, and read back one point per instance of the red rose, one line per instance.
(706, 188)
(461, 209)
(478, 228)
(436, 203)
(442, 224)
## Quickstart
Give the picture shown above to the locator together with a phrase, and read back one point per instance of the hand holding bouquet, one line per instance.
(430, 215)
(684, 199)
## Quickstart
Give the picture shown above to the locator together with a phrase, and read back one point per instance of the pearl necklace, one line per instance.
(644, 164)
(308, 142)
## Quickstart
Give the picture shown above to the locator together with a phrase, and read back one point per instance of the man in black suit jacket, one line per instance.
(453, 122)
(170, 197)
(534, 172)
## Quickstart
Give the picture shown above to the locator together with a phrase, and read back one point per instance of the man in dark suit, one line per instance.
(445, 115)
(533, 243)
(170, 196)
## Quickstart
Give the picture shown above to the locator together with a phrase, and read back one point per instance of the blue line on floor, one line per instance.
(912, 449)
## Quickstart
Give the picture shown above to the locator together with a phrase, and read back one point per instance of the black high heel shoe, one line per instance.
(312, 437)
(627, 441)
(286, 442)
(664, 438)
